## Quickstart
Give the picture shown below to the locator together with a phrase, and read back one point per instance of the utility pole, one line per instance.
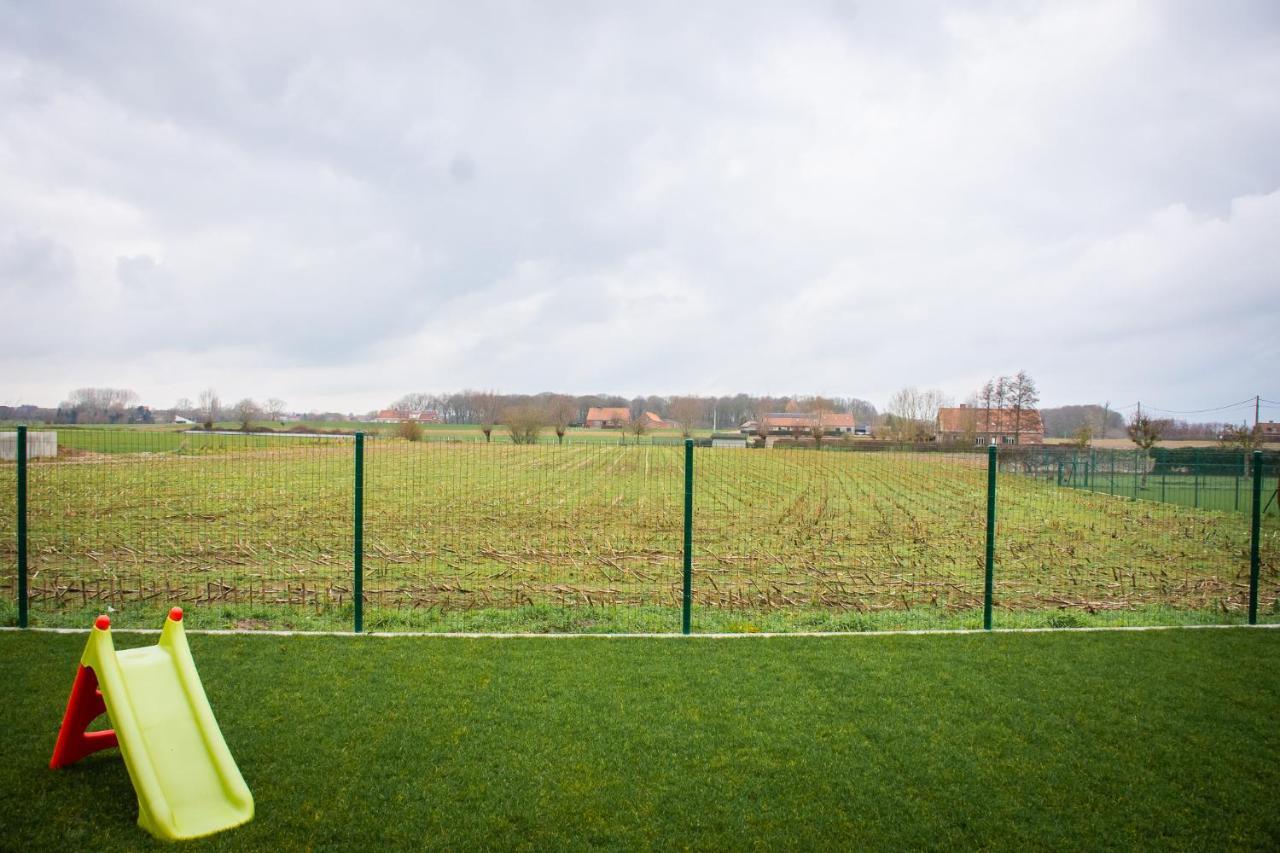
(1257, 405)
(1139, 410)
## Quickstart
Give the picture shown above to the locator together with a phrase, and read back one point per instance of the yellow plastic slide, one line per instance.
(187, 783)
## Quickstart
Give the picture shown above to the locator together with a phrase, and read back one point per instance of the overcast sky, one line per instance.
(336, 204)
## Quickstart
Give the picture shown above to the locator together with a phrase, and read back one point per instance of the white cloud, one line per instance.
(337, 208)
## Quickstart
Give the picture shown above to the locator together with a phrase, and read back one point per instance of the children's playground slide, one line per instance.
(187, 783)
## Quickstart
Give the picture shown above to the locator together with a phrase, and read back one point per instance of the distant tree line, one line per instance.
(486, 408)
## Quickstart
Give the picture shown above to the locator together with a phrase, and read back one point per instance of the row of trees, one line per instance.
(913, 413)
(209, 409)
(690, 411)
(102, 406)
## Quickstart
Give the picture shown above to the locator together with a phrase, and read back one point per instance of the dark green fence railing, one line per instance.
(351, 532)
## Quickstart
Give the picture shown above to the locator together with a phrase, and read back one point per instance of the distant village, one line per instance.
(1004, 411)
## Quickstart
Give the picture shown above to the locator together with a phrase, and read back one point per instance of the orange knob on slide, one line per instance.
(102, 623)
(176, 614)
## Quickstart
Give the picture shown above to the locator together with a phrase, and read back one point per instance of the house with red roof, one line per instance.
(607, 417)
(982, 426)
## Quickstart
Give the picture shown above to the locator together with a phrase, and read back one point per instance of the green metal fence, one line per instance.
(356, 533)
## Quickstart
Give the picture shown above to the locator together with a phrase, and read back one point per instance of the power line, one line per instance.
(1239, 405)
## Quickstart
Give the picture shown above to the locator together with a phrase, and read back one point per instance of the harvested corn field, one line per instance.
(475, 536)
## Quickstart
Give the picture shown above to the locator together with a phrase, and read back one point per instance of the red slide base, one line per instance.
(84, 706)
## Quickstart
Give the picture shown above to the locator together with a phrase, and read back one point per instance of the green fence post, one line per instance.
(1237, 493)
(686, 610)
(21, 459)
(1111, 483)
(358, 585)
(1162, 485)
(991, 537)
(1255, 534)
(1059, 473)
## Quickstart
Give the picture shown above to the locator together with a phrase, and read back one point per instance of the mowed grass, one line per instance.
(1215, 492)
(479, 537)
(1157, 740)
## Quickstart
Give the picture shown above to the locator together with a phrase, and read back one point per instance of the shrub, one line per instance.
(409, 431)
(524, 423)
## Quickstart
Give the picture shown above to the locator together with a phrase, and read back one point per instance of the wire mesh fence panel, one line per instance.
(131, 522)
(1111, 553)
(1269, 541)
(806, 539)
(479, 536)
(1201, 478)
(8, 535)
(509, 537)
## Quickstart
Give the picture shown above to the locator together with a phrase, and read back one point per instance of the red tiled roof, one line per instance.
(830, 420)
(980, 420)
(609, 413)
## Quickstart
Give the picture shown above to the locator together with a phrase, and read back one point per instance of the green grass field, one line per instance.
(588, 538)
(168, 438)
(1213, 492)
(1152, 740)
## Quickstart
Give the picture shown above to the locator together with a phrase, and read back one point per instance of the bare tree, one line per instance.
(1145, 431)
(275, 408)
(687, 412)
(488, 409)
(762, 422)
(524, 423)
(637, 427)
(209, 405)
(183, 407)
(821, 409)
(561, 411)
(1023, 396)
(246, 411)
(915, 413)
(102, 405)
(415, 403)
(1104, 426)
(988, 396)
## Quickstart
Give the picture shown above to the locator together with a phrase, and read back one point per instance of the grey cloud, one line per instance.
(836, 197)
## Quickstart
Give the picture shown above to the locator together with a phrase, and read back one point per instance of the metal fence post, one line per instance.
(991, 537)
(1059, 472)
(1255, 534)
(21, 458)
(358, 585)
(686, 611)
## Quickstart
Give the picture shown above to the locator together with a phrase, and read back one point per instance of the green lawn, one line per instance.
(1213, 492)
(1032, 741)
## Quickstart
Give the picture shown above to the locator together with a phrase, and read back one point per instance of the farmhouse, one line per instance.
(654, 421)
(1270, 430)
(984, 426)
(607, 417)
(802, 423)
(395, 416)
